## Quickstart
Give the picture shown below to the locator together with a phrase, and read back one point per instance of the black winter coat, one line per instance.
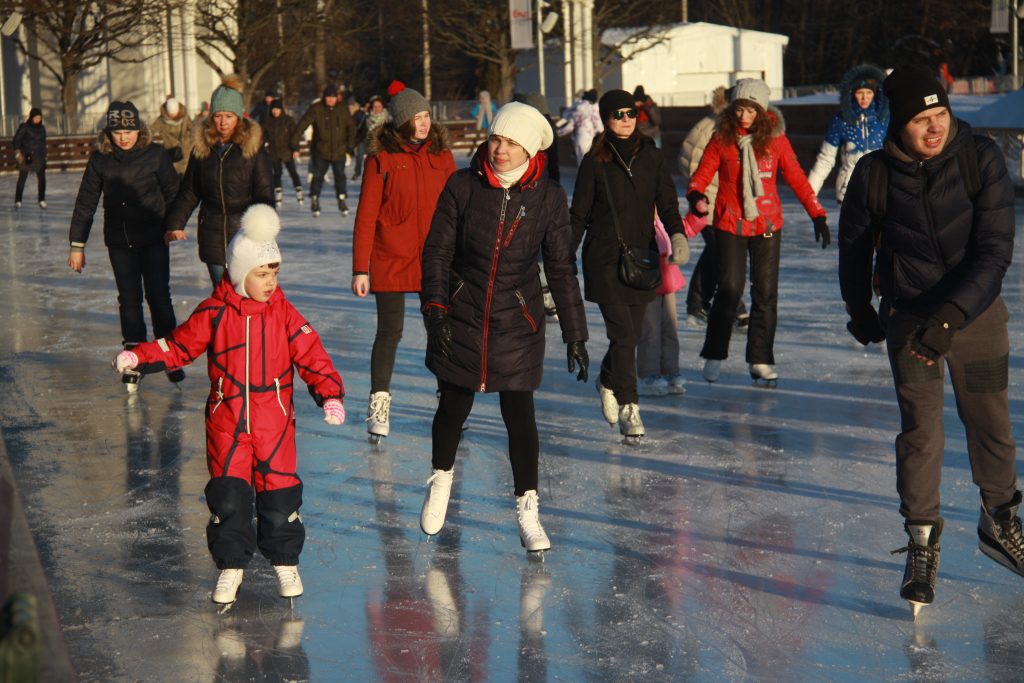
(636, 190)
(480, 263)
(936, 246)
(223, 187)
(30, 140)
(334, 131)
(137, 187)
(277, 135)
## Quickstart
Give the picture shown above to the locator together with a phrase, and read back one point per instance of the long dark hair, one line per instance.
(728, 126)
(391, 137)
(601, 150)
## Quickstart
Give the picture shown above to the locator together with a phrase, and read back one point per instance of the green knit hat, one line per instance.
(228, 97)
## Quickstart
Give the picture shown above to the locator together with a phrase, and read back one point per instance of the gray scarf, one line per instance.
(750, 182)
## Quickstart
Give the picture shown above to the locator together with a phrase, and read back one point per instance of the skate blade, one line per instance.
(223, 607)
(633, 439)
(915, 607)
(765, 383)
(375, 439)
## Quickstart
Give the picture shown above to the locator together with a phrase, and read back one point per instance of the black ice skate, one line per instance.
(342, 206)
(764, 375)
(315, 205)
(131, 378)
(918, 587)
(278, 197)
(298, 195)
(1000, 536)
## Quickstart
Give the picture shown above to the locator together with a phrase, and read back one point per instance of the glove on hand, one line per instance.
(680, 250)
(864, 325)
(577, 353)
(934, 338)
(439, 332)
(693, 224)
(334, 411)
(126, 360)
(821, 233)
(698, 203)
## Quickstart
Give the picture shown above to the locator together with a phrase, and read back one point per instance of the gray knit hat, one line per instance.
(228, 97)
(753, 90)
(405, 105)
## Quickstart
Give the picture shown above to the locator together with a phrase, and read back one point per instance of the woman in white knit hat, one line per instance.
(483, 308)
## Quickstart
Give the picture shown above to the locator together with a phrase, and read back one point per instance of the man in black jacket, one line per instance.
(944, 242)
(334, 136)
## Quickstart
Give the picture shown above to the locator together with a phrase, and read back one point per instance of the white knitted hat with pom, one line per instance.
(253, 245)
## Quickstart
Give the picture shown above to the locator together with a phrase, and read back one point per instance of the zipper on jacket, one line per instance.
(491, 277)
(526, 312)
(224, 207)
(220, 395)
(629, 166)
(928, 213)
(277, 387)
(515, 225)
(248, 427)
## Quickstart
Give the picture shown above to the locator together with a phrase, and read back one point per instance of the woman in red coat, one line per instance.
(747, 151)
(407, 165)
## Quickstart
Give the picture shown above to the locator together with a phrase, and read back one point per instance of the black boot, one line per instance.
(315, 205)
(922, 551)
(1000, 536)
(342, 206)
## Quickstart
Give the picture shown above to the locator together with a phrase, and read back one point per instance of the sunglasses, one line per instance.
(619, 115)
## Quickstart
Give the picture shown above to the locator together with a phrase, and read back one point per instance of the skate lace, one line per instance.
(529, 521)
(439, 476)
(380, 408)
(287, 576)
(226, 579)
(924, 561)
(1012, 536)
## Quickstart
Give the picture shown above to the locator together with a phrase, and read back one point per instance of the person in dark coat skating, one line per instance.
(482, 303)
(30, 150)
(278, 136)
(334, 137)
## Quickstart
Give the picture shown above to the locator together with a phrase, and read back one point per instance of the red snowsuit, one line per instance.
(251, 350)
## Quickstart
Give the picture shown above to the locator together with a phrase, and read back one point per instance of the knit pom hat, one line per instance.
(123, 116)
(752, 90)
(228, 97)
(253, 245)
(614, 100)
(172, 107)
(910, 90)
(524, 125)
(395, 87)
(405, 105)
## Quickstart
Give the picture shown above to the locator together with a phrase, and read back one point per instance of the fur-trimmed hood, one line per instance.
(386, 138)
(248, 136)
(851, 79)
(106, 146)
(778, 121)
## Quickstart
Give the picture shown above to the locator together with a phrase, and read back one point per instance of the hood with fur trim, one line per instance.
(106, 146)
(386, 138)
(248, 136)
(851, 79)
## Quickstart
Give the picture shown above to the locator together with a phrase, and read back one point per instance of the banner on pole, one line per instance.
(521, 21)
(1000, 16)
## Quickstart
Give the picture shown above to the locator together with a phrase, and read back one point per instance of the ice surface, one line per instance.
(747, 538)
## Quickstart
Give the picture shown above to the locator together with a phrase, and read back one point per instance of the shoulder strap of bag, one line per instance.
(603, 169)
(967, 158)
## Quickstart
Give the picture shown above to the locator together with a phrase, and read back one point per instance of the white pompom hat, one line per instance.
(525, 125)
(253, 245)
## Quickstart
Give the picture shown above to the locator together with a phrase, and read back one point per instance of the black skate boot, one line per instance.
(315, 205)
(342, 206)
(278, 197)
(1000, 536)
(918, 587)
(298, 195)
(130, 378)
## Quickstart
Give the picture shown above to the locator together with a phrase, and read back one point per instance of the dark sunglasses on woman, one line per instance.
(619, 115)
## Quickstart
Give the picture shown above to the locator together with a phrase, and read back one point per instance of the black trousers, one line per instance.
(292, 171)
(138, 272)
(19, 189)
(623, 324)
(390, 323)
(279, 532)
(320, 167)
(704, 280)
(733, 252)
(517, 411)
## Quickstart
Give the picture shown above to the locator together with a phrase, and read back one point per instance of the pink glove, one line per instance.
(693, 224)
(334, 411)
(126, 360)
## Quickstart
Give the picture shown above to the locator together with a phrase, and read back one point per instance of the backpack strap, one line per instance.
(878, 193)
(970, 172)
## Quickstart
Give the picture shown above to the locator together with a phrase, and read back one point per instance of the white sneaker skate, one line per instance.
(278, 197)
(630, 424)
(42, 204)
(435, 505)
(377, 415)
(609, 404)
(655, 385)
(289, 585)
(298, 195)
(531, 533)
(763, 375)
(226, 590)
(17, 205)
(712, 369)
(676, 384)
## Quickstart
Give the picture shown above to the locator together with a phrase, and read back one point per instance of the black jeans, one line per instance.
(290, 165)
(704, 280)
(139, 270)
(320, 167)
(390, 322)
(623, 324)
(454, 407)
(764, 255)
(19, 189)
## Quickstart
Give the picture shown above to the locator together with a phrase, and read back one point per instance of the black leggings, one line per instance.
(290, 165)
(390, 321)
(454, 407)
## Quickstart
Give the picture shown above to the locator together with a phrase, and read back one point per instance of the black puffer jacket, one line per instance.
(636, 190)
(223, 186)
(334, 131)
(277, 134)
(30, 140)
(137, 187)
(480, 263)
(935, 245)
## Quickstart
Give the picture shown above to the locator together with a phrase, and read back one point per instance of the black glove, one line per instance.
(177, 153)
(439, 332)
(821, 233)
(693, 197)
(864, 325)
(577, 353)
(934, 337)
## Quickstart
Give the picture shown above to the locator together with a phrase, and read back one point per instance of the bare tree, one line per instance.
(639, 31)
(67, 37)
(480, 29)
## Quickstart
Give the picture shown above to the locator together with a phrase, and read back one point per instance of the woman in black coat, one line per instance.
(30, 149)
(278, 128)
(621, 181)
(483, 307)
(137, 181)
(228, 171)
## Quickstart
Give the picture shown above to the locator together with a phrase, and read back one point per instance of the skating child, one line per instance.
(254, 339)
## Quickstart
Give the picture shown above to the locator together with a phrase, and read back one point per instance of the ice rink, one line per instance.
(747, 538)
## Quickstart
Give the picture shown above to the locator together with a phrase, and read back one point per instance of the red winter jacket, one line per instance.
(725, 160)
(396, 204)
(251, 350)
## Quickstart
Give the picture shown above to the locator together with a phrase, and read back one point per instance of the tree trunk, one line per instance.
(69, 100)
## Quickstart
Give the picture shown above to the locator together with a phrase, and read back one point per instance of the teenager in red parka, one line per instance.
(254, 341)
(407, 166)
(747, 151)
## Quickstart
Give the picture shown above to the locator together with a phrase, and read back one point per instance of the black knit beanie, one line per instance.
(910, 90)
(614, 100)
(123, 116)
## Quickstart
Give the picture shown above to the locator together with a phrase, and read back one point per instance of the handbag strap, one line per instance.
(611, 203)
